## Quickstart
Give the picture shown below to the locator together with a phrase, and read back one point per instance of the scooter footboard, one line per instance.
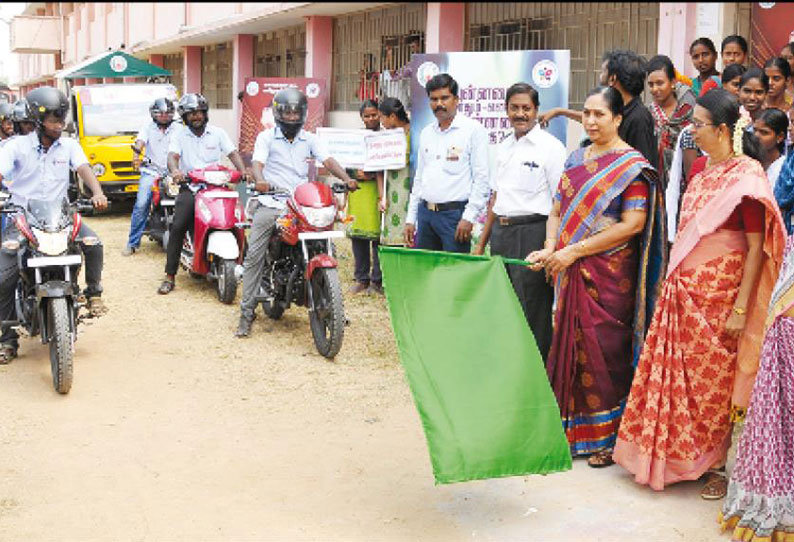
(223, 244)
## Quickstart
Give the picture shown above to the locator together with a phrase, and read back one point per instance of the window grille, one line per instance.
(369, 42)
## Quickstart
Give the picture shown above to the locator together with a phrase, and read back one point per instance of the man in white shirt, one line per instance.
(196, 146)
(279, 163)
(36, 167)
(155, 136)
(451, 183)
(528, 168)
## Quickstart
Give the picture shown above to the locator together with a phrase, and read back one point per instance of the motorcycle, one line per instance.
(214, 247)
(47, 298)
(161, 210)
(300, 266)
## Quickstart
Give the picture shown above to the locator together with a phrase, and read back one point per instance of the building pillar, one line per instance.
(445, 27)
(191, 58)
(677, 29)
(319, 51)
(242, 68)
(157, 60)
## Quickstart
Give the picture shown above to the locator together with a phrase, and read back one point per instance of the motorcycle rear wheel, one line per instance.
(61, 345)
(226, 281)
(327, 317)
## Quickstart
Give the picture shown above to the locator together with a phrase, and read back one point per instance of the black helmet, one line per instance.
(193, 102)
(290, 99)
(45, 100)
(159, 106)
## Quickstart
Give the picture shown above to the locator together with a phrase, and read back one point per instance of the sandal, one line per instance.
(96, 307)
(716, 486)
(7, 353)
(601, 459)
(166, 287)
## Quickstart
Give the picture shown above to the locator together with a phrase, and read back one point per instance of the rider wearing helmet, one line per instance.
(155, 135)
(196, 146)
(6, 124)
(39, 164)
(22, 117)
(279, 163)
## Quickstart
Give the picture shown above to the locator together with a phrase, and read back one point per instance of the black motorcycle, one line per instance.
(48, 299)
(161, 210)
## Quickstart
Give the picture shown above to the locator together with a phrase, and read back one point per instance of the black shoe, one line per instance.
(244, 327)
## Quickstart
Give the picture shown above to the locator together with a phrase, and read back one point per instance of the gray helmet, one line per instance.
(44, 100)
(5, 111)
(290, 99)
(193, 102)
(159, 106)
(21, 112)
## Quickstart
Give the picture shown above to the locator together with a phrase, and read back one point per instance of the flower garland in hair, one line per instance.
(683, 78)
(738, 132)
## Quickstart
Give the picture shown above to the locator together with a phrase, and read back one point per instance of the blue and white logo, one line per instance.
(545, 74)
(426, 71)
(252, 88)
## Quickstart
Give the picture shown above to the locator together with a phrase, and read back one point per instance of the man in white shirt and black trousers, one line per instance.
(528, 167)
(451, 183)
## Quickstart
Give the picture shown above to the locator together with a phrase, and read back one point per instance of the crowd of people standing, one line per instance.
(659, 284)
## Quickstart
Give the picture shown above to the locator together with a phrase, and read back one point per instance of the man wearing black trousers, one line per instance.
(528, 168)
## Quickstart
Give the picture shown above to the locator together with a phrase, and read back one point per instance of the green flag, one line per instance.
(474, 369)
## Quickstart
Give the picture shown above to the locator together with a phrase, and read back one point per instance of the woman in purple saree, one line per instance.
(605, 249)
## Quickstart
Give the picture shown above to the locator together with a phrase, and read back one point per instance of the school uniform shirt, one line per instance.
(157, 142)
(773, 171)
(198, 152)
(452, 166)
(32, 173)
(286, 164)
(527, 173)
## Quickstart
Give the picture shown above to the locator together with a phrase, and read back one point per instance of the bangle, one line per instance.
(740, 312)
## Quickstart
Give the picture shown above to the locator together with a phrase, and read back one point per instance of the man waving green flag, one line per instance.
(473, 367)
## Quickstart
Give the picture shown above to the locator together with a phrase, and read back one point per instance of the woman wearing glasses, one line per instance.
(697, 366)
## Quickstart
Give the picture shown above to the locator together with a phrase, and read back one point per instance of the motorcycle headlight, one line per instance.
(99, 169)
(51, 243)
(171, 188)
(217, 177)
(319, 217)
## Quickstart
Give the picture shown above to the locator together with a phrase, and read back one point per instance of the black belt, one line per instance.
(448, 206)
(523, 219)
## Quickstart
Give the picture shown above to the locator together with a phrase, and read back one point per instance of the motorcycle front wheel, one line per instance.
(327, 317)
(226, 282)
(61, 344)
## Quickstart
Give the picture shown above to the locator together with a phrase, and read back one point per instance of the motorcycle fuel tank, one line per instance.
(314, 194)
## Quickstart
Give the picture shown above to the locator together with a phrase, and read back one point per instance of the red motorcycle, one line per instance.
(215, 245)
(300, 266)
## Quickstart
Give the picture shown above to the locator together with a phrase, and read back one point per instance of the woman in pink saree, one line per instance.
(698, 364)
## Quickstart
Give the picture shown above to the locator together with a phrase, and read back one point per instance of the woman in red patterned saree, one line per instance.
(605, 248)
(697, 366)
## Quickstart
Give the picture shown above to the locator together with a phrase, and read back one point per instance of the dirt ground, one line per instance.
(175, 430)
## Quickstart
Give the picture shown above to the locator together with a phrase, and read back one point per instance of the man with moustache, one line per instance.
(451, 183)
(529, 164)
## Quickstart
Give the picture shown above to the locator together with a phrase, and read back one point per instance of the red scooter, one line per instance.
(300, 266)
(215, 246)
